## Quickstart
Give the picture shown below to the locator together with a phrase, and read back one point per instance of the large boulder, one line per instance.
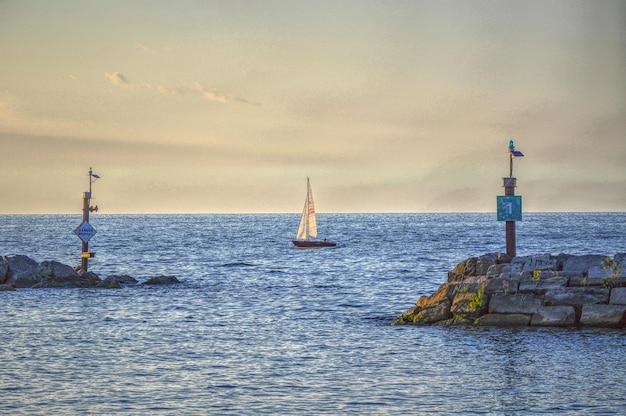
(445, 292)
(117, 282)
(603, 315)
(436, 313)
(500, 285)
(462, 270)
(477, 266)
(575, 296)
(582, 264)
(554, 316)
(123, 279)
(525, 266)
(618, 296)
(469, 305)
(542, 285)
(55, 274)
(517, 303)
(17, 265)
(499, 270)
(162, 280)
(110, 283)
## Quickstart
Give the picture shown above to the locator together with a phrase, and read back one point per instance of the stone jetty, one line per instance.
(19, 271)
(537, 290)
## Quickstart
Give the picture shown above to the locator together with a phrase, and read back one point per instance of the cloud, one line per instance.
(120, 80)
(208, 94)
(146, 49)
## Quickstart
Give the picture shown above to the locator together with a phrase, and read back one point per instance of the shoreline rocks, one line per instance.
(21, 272)
(536, 290)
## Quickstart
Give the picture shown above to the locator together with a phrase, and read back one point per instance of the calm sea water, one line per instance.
(260, 327)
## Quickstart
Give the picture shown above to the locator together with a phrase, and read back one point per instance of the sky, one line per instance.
(388, 106)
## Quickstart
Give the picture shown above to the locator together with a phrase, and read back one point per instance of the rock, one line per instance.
(17, 265)
(469, 305)
(502, 271)
(579, 279)
(436, 313)
(463, 269)
(538, 290)
(603, 315)
(455, 320)
(477, 266)
(554, 316)
(123, 279)
(117, 282)
(621, 259)
(618, 296)
(89, 278)
(582, 264)
(440, 295)
(446, 291)
(162, 280)
(576, 296)
(484, 262)
(518, 303)
(110, 283)
(506, 320)
(55, 274)
(524, 266)
(19, 271)
(4, 271)
(500, 285)
(542, 285)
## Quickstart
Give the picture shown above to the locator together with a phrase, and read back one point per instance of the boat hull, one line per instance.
(313, 243)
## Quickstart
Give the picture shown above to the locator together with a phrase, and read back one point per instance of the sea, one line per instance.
(260, 327)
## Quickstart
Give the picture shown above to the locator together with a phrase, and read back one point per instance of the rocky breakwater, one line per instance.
(19, 271)
(537, 290)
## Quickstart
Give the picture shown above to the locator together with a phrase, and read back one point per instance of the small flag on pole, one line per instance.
(515, 153)
(95, 176)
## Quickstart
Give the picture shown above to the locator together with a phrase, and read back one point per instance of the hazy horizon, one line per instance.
(391, 107)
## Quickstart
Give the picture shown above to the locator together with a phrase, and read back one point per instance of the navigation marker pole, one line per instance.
(85, 231)
(509, 205)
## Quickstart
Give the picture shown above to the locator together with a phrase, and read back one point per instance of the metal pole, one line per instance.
(511, 249)
(86, 198)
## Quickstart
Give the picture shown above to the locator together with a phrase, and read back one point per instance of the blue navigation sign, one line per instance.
(510, 208)
(85, 231)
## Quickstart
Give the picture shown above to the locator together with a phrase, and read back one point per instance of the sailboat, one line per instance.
(307, 231)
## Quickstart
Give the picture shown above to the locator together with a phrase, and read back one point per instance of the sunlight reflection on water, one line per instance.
(258, 327)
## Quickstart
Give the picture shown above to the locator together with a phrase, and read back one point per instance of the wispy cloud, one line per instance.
(121, 81)
(146, 49)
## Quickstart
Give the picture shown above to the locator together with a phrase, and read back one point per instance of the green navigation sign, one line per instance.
(510, 208)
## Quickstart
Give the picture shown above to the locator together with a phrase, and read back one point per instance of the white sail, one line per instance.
(302, 228)
(308, 224)
(312, 220)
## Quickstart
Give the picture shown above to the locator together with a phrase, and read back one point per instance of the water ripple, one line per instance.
(259, 327)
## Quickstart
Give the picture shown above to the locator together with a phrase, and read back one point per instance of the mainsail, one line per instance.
(308, 224)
